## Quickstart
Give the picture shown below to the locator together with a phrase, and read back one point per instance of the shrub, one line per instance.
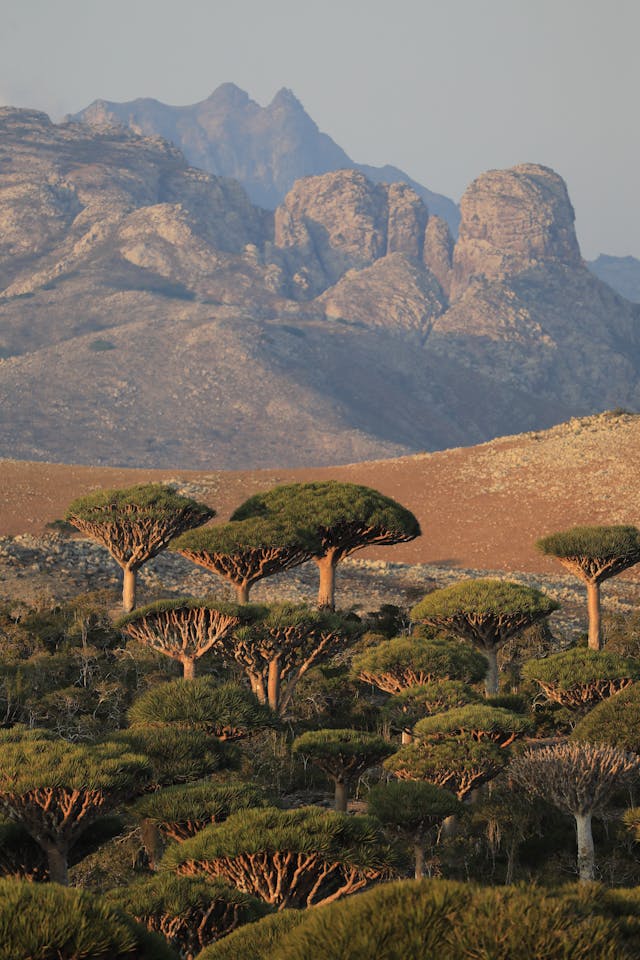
(50, 922)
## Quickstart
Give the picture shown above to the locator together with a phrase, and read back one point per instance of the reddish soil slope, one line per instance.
(479, 507)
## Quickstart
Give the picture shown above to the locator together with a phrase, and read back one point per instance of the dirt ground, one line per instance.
(479, 507)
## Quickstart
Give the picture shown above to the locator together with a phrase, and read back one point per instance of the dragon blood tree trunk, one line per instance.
(593, 608)
(586, 856)
(491, 679)
(128, 589)
(327, 587)
(341, 796)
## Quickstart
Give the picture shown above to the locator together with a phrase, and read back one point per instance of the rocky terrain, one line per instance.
(152, 316)
(266, 149)
(480, 509)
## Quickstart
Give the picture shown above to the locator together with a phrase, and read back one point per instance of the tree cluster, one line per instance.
(189, 786)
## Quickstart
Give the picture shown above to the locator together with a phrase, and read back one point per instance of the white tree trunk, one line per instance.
(586, 858)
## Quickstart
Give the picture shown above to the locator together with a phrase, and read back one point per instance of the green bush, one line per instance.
(255, 941)
(615, 721)
(178, 754)
(49, 922)
(227, 710)
(437, 920)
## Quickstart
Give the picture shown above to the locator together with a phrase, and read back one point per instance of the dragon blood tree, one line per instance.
(182, 629)
(343, 756)
(245, 551)
(341, 517)
(189, 912)
(477, 722)
(56, 789)
(579, 678)
(453, 763)
(485, 612)
(135, 524)
(580, 779)
(615, 721)
(289, 858)
(403, 662)
(183, 810)
(412, 808)
(278, 649)
(594, 554)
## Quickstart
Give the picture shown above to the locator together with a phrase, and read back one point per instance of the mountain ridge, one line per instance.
(151, 315)
(265, 148)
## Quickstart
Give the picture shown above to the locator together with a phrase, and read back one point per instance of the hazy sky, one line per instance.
(444, 89)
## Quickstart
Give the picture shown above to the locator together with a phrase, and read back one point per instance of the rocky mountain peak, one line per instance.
(511, 220)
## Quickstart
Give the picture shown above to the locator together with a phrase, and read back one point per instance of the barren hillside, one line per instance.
(479, 507)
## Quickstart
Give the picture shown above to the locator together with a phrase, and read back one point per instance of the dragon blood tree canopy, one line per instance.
(245, 551)
(343, 518)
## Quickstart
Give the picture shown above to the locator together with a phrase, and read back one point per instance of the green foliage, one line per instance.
(35, 759)
(413, 661)
(407, 707)
(487, 598)
(439, 920)
(246, 613)
(581, 666)
(148, 501)
(476, 719)
(330, 507)
(336, 836)
(241, 535)
(191, 913)
(594, 543)
(49, 922)
(206, 800)
(178, 754)
(615, 721)
(459, 764)
(342, 753)
(410, 805)
(255, 941)
(227, 710)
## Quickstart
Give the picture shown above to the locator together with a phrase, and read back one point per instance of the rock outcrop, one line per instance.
(510, 220)
(341, 221)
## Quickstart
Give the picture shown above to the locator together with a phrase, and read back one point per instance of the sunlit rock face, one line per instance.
(512, 220)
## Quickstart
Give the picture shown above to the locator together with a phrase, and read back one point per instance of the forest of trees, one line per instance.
(200, 778)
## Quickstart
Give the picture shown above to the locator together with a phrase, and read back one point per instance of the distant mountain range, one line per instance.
(152, 315)
(266, 149)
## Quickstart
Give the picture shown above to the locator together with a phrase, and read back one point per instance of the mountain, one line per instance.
(621, 273)
(151, 315)
(265, 148)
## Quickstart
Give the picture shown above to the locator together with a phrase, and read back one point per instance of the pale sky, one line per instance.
(444, 89)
